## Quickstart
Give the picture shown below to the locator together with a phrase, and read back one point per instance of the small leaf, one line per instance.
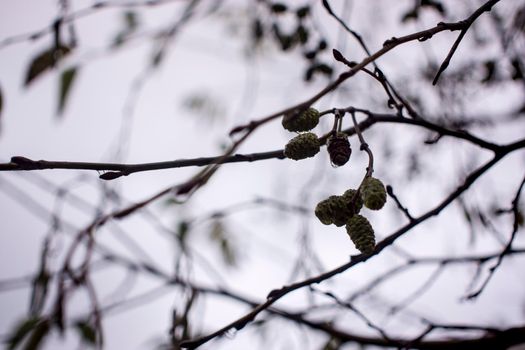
(303, 11)
(119, 40)
(219, 234)
(39, 292)
(21, 330)
(310, 55)
(332, 344)
(324, 69)
(410, 15)
(157, 58)
(490, 71)
(86, 332)
(322, 45)
(257, 31)
(436, 5)
(518, 23)
(278, 7)
(182, 231)
(66, 81)
(301, 34)
(40, 332)
(517, 73)
(308, 75)
(287, 42)
(131, 24)
(44, 61)
(130, 18)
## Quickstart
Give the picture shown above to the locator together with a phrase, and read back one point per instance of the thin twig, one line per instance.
(465, 27)
(364, 146)
(276, 294)
(116, 170)
(358, 313)
(508, 246)
(405, 211)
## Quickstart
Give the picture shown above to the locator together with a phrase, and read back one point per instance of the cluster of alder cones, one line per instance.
(344, 209)
(307, 144)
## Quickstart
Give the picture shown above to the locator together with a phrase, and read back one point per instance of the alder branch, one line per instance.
(377, 74)
(364, 146)
(466, 25)
(197, 181)
(92, 9)
(388, 45)
(276, 294)
(344, 336)
(423, 288)
(493, 337)
(115, 170)
(413, 262)
(252, 125)
(508, 246)
(358, 313)
(405, 211)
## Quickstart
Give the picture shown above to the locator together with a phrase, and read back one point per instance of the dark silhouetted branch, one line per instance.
(465, 27)
(276, 294)
(405, 211)
(508, 246)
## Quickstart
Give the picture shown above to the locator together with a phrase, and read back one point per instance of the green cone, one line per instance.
(373, 193)
(361, 233)
(305, 121)
(338, 209)
(302, 146)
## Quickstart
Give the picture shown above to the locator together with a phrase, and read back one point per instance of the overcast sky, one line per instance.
(208, 61)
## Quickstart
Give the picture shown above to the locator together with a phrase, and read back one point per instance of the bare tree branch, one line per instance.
(465, 27)
(276, 294)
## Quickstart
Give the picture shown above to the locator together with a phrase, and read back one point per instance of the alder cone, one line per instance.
(305, 121)
(349, 198)
(339, 149)
(338, 210)
(325, 208)
(342, 211)
(373, 193)
(361, 233)
(302, 146)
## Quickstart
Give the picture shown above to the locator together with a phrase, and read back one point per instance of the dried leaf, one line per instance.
(278, 7)
(66, 81)
(303, 11)
(183, 230)
(131, 24)
(436, 5)
(332, 344)
(39, 292)
(86, 332)
(131, 21)
(219, 234)
(518, 23)
(517, 72)
(301, 34)
(257, 31)
(45, 61)
(39, 333)
(21, 330)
